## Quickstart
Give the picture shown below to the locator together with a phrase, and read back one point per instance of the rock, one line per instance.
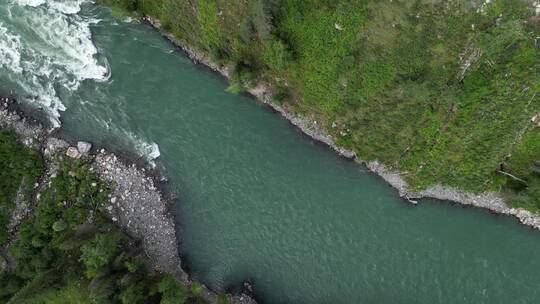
(536, 119)
(72, 152)
(84, 147)
(248, 287)
(53, 145)
(3, 264)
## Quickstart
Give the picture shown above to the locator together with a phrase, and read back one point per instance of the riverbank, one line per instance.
(137, 204)
(492, 201)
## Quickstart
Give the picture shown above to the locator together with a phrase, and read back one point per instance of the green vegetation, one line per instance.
(443, 91)
(68, 251)
(20, 169)
(525, 163)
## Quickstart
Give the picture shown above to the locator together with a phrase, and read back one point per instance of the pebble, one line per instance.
(143, 211)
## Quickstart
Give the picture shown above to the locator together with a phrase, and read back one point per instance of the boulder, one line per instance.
(53, 145)
(84, 147)
(72, 152)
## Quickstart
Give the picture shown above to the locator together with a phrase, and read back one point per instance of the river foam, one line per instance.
(55, 53)
(47, 52)
(66, 7)
(146, 149)
(10, 50)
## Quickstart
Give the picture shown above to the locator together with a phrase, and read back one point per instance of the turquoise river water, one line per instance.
(256, 199)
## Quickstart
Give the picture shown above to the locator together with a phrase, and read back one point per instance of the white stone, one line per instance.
(84, 147)
(72, 152)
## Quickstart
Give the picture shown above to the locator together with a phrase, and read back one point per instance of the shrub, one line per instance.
(276, 55)
(99, 252)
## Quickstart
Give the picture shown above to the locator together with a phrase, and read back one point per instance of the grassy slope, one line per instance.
(68, 251)
(391, 84)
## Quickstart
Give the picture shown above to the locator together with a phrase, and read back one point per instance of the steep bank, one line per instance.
(135, 204)
(488, 200)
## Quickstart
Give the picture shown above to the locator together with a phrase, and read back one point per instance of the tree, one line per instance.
(99, 252)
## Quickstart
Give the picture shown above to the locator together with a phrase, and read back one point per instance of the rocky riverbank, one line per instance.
(491, 201)
(136, 204)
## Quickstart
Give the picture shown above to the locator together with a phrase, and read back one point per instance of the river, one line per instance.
(256, 199)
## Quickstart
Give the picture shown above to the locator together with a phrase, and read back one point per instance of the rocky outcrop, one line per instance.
(72, 152)
(138, 206)
(31, 132)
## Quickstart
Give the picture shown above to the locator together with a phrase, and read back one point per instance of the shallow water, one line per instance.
(257, 199)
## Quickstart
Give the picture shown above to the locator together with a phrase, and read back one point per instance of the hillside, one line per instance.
(443, 91)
